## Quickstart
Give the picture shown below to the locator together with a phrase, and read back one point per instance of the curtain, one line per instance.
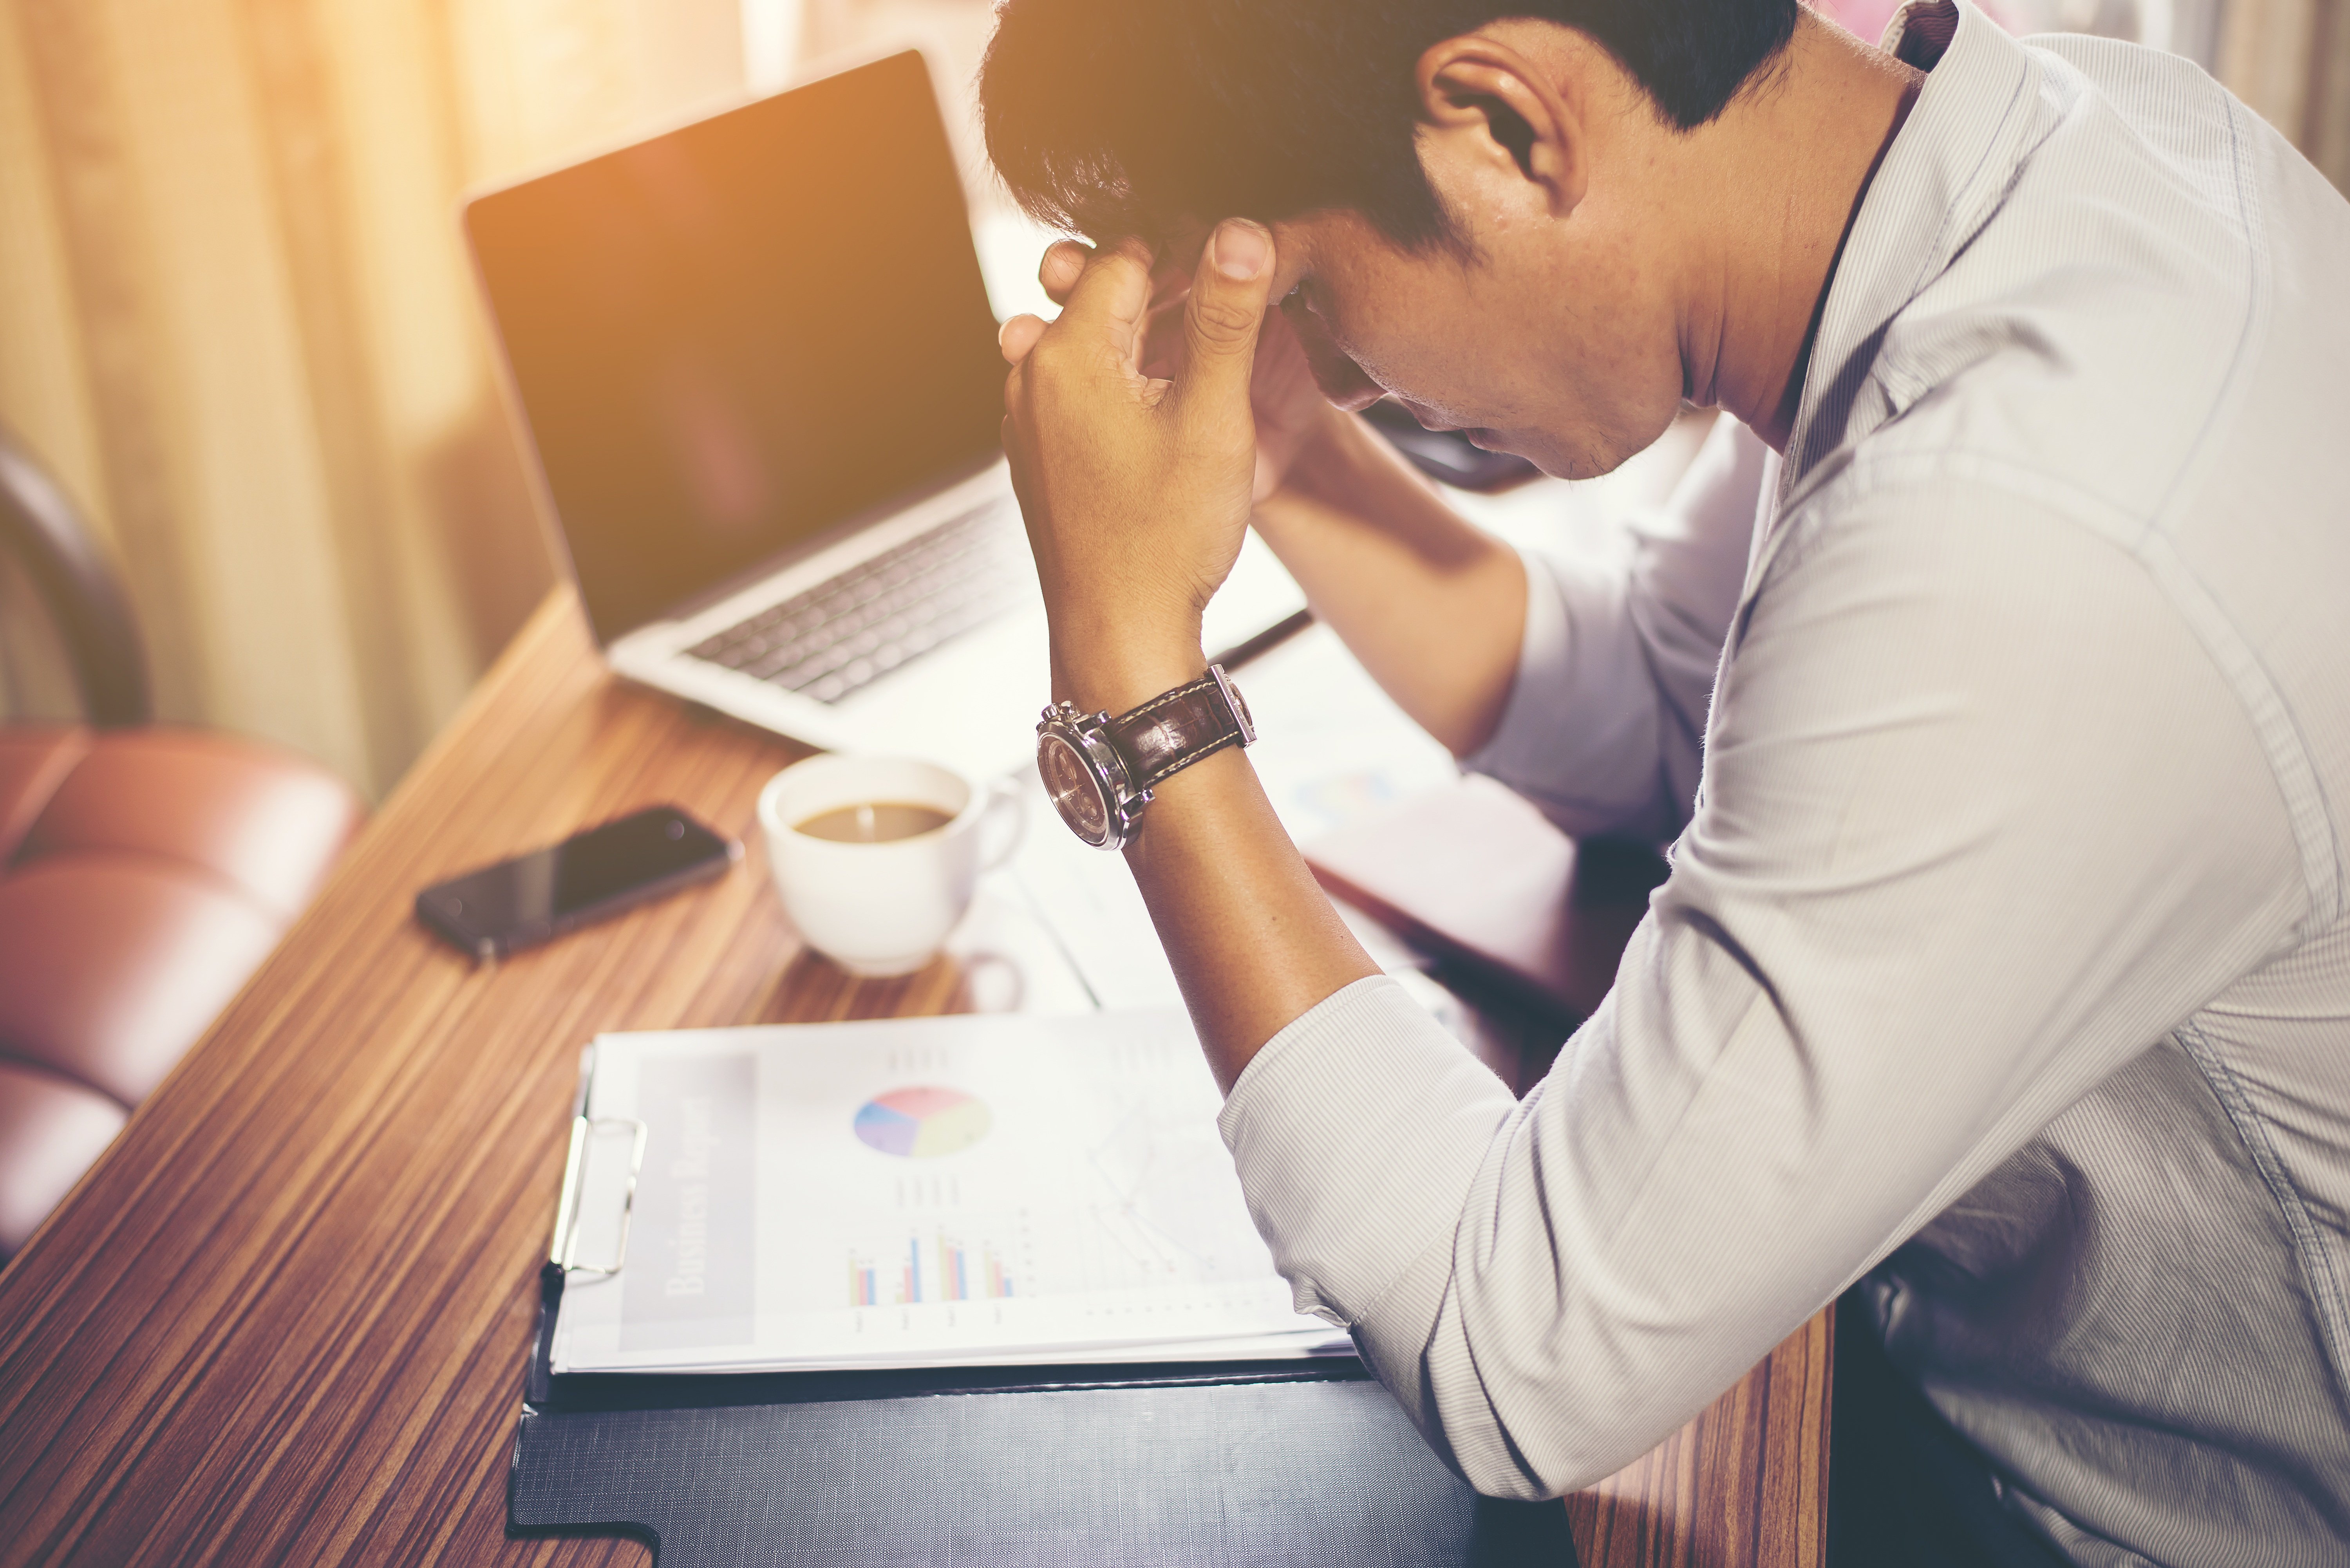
(236, 320)
(2290, 60)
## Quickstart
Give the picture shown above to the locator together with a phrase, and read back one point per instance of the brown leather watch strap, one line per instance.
(1176, 729)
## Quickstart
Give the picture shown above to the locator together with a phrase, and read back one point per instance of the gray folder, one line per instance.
(1266, 1464)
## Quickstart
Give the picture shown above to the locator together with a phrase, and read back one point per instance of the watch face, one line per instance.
(1077, 793)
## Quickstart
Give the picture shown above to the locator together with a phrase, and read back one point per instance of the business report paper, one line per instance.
(984, 1188)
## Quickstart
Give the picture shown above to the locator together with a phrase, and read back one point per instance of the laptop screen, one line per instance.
(734, 336)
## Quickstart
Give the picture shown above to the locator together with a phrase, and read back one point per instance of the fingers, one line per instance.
(1228, 294)
(1170, 278)
(1018, 335)
(1064, 263)
(1115, 288)
(1162, 340)
(1108, 304)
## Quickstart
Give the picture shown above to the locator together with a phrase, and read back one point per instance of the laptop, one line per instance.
(755, 364)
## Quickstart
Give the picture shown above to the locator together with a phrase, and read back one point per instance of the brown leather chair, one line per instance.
(145, 872)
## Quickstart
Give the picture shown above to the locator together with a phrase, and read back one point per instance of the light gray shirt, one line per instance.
(2004, 958)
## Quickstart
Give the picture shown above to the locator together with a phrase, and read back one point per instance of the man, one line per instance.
(2005, 745)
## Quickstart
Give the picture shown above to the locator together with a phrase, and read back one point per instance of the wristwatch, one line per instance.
(1100, 771)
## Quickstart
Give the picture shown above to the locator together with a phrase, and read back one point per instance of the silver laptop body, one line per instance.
(755, 364)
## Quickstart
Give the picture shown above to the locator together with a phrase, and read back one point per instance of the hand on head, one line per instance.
(1136, 487)
(1171, 283)
(1282, 389)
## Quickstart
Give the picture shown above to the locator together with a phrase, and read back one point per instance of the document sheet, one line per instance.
(917, 1192)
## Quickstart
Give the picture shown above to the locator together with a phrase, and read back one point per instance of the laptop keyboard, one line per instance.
(850, 630)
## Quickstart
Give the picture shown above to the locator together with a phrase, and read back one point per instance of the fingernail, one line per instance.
(1241, 250)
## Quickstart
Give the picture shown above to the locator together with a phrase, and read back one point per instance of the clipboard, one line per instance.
(1165, 1465)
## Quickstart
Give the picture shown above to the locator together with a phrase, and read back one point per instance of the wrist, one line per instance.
(1115, 678)
(1101, 768)
(1351, 466)
(1320, 460)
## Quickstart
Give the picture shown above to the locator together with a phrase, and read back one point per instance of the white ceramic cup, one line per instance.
(882, 908)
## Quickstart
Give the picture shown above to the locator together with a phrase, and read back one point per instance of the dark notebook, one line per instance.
(1264, 1464)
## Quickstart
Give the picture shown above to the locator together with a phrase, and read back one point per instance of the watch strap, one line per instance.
(1177, 728)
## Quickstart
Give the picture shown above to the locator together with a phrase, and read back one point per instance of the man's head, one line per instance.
(1464, 194)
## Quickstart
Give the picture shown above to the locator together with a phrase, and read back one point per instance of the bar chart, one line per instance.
(937, 1268)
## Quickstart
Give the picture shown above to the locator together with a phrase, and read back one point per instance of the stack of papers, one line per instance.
(917, 1192)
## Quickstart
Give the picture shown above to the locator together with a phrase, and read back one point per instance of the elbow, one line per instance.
(1467, 729)
(1528, 1421)
(1536, 1459)
(1512, 1483)
(1496, 1466)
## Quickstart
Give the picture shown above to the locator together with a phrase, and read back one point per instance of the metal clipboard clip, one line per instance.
(563, 1252)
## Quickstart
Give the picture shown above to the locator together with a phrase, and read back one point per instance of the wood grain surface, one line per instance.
(284, 1321)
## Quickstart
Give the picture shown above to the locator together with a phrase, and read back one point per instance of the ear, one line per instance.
(1490, 111)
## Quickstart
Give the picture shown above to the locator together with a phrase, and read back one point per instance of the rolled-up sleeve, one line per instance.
(1981, 822)
(1359, 1190)
(1606, 717)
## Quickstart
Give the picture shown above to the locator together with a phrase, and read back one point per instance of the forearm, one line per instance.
(1432, 607)
(1136, 494)
(1252, 938)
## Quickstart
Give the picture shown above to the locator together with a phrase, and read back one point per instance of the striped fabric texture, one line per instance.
(2005, 728)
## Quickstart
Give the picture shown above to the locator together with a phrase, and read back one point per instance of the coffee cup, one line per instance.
(876, 857)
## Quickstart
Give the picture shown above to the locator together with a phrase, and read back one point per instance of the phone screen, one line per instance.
(549, 891)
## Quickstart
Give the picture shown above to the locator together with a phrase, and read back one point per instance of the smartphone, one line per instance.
(534, 898)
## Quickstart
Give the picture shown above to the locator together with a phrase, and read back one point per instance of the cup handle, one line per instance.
(1005, 805)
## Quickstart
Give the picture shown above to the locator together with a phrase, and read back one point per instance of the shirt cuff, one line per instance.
(1357, 1131)
(1523, 742)
(1577, 736)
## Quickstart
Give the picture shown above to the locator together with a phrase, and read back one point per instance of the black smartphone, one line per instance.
(520, 902)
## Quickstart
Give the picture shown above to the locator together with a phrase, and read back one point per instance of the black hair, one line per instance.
(1110, 117)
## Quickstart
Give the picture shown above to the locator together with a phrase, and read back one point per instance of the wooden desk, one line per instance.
(195, 1363)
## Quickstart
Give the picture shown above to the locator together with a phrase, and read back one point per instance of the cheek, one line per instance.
(1341, 381)
(1404, 358)
(1461, 370)
(1438, 343)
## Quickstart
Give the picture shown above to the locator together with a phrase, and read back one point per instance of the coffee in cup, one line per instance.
(874, 822)
(876, 857)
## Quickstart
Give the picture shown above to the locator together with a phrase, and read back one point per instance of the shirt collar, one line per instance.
(1938, 183)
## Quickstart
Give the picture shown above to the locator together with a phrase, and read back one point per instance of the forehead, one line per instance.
(1343, 249)
(1340, 250)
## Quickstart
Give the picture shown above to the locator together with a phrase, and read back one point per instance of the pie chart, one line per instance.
(921, 1123)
